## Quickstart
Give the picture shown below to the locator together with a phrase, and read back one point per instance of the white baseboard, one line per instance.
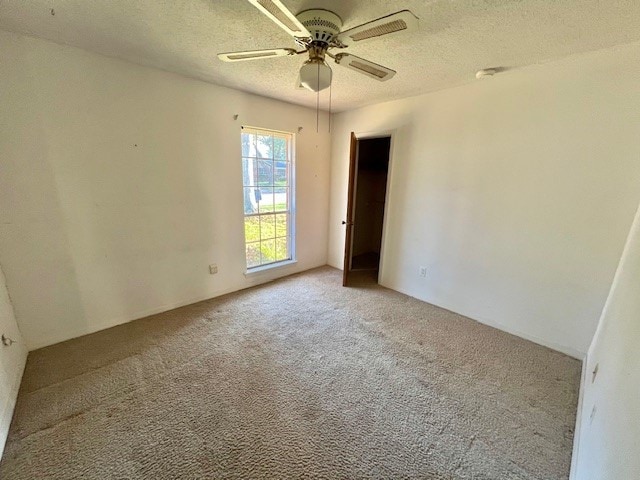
(6, 415)
(96, 326)
(573, 475)
(570, 351)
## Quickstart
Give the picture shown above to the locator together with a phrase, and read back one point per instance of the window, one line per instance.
(267, 177)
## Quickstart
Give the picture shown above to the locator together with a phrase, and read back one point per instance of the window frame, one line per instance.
(290, 189)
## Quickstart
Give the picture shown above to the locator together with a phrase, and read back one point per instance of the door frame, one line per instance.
(351, 193)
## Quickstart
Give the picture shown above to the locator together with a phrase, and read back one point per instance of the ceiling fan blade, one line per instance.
(370, 69)
(398, 22)
(255, 54)
(281, 15)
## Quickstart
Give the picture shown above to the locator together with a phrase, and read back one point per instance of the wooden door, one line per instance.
(348, 222)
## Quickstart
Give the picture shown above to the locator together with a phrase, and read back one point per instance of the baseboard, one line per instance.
(96, 326)
(6, 415)
(570, 351)
(63, 336)
(573, 475)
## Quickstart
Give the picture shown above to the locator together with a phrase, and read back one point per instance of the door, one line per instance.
(367, 189)
(348, 222)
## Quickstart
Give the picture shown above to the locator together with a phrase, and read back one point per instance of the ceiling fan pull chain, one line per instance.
(318, 102)
(330, 108)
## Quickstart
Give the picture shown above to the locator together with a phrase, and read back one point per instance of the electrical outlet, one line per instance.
(213, 269)
(423, 272)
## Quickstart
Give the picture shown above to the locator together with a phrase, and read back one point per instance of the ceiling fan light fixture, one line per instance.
(315, 75)
(317, 31)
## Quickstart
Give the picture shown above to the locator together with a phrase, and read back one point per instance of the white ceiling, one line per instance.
(455, 38)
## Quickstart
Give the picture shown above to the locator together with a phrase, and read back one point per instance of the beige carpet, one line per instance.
(300, 378)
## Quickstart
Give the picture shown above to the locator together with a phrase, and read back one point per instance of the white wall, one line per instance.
(609, 432)
(515, 192)
(12, 361)
(120, 184)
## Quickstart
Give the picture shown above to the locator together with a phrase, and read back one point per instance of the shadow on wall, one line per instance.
(34, 245)
(106, 213)
(146, 205)
(396, 216)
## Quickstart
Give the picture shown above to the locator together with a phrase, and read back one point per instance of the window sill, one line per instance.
(269, 268)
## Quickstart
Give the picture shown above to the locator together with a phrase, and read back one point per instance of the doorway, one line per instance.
(368, 172)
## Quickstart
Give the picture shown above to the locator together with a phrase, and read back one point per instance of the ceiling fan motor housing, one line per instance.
(322, 24)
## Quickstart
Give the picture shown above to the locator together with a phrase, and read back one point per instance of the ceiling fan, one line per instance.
(316, 32)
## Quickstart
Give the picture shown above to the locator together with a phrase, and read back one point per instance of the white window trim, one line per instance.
(291, 224)
(270, 267)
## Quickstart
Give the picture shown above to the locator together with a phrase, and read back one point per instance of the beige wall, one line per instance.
(515, 192)
(120, 184)
(609, 432)
(12, 362)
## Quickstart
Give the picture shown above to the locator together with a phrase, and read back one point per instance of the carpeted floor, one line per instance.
(300, 378)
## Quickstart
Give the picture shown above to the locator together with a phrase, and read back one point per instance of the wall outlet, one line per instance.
(213, 269)
(423, 272)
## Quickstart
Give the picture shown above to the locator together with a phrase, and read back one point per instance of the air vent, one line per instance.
(378, 30)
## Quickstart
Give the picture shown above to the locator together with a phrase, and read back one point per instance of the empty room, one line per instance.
(332, 239)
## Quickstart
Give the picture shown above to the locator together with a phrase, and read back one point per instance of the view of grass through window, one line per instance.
(267, 167)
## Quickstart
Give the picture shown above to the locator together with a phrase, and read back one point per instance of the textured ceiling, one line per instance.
(455, 38)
